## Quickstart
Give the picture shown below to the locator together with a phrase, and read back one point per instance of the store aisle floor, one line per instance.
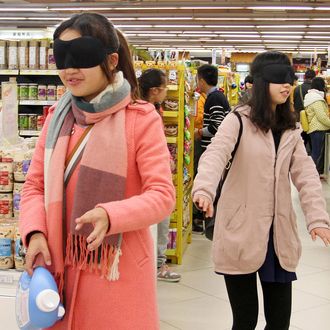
(200, 302)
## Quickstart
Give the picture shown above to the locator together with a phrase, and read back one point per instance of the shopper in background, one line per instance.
(152, 84)
(100, 176)
(255, 228)
(298, 102)
(246, 93)
(317, 111)
(216, 107)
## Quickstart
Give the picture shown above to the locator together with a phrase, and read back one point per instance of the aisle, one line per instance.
(200, 300)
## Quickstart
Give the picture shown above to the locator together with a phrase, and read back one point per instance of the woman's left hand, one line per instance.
(98, 217)
(323, 233)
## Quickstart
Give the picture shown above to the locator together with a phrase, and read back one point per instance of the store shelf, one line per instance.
(172, 114)
(36, 102)
(39, 72)
(9, 72)
(171, 139)
(171, 252)
(29, 133)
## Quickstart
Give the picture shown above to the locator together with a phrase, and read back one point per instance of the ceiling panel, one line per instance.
(210, 24)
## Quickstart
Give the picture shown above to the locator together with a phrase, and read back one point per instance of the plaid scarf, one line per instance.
(101, 178)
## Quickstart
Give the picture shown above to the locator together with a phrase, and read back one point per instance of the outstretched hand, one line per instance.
(98, 217)
(323, 233)
(204, 204)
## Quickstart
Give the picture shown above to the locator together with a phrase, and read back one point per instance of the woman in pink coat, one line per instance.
(255, 228)
(100, 176)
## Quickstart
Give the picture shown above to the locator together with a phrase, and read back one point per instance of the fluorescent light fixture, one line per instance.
(244, 40)
(121, 18)
(293, 26)
(222, 18)
(161, 18)
(282, 32)
(318, 32)
(317, 37)
(21, 18)
(279, 19)
(210, 7)
(281, 41)
(322, 8)
(168, 39)
(132, 26)
(197, 35)
(8, 9)
(156, 34)
(240, 35)
(281, 36)
(77, 9)
(282, 8)
(231, 26)
(319, 26)
(138, 8)
(179, 26)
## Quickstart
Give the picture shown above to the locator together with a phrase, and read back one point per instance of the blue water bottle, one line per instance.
(37, 301)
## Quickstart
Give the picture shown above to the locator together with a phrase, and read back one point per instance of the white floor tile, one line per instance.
(312, 319)
(166, 326)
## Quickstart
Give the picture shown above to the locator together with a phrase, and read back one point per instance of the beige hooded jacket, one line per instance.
(257, 192)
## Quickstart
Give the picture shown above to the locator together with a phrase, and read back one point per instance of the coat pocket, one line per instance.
(137, 247)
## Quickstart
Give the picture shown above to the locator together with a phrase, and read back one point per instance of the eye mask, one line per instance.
(83, 52)
(278, 74)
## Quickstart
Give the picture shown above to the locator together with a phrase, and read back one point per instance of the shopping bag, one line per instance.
(304, 121)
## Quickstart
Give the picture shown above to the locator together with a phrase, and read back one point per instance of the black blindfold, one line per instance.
(278, 74)
(83, 52)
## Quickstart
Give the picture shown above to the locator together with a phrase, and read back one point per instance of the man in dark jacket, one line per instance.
(216, 105)
(301, 91)
(298, 102)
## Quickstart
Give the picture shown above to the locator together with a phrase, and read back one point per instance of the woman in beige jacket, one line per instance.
(255, 229)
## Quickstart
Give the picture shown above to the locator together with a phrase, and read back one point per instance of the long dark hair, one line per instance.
(98, 26)
(262, 114)
(149, 79)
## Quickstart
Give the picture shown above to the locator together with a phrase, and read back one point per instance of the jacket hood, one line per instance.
(312, 96)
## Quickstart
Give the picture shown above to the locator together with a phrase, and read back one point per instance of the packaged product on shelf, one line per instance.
(171, 105)
(43, 61)
(7, 231)
(6, 205)
(169, 239)
(20, 251)
(33, 91)
(34, 55)
(51, 92)
(31, 144)
(6, 177)
(138, 67)
(23, 91)
(60, 90)
(23, 122)
(174, 235)
(171, 130)
(3, 54)
(45, 111)
(18, 186)
(22, 161)
(7, 154)
(42, 91)
(23, 55)
(40, 123)
(173, 73)
(162, 66)
(33, 119)
(51, 65)
(12, 55)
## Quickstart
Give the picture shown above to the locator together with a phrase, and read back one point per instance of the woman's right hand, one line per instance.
(37, 245)
(204, 204)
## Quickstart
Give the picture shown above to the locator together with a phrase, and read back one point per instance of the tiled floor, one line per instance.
(200, 302)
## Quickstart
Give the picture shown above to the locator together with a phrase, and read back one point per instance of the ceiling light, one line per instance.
(322, 8)
(318, 32)
(222, 18)
(132, 26)
(161, 18)
(282, 8)
(240, 35)
(210, 7)
(317, 37)
(197, 35)
(281, 36)
(281, 26)
(319, 26)
(156, 34)
(139, 8)
(8, 9)
(179, 26)
(231, 26)
(244, 40)
(282, 32)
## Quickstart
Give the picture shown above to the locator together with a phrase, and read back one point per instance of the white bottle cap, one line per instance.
(47, 300)
(61, 311)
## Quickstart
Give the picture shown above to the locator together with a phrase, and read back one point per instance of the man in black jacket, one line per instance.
(216, 108)
(216, 105)
(301, 91)
(298, 102)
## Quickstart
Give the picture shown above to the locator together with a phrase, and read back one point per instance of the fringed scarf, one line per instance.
(101, 178)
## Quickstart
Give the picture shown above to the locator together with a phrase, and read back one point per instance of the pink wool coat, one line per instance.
(257, 192)
(130, 302)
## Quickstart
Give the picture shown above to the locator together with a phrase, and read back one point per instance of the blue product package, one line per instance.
(37, 301)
